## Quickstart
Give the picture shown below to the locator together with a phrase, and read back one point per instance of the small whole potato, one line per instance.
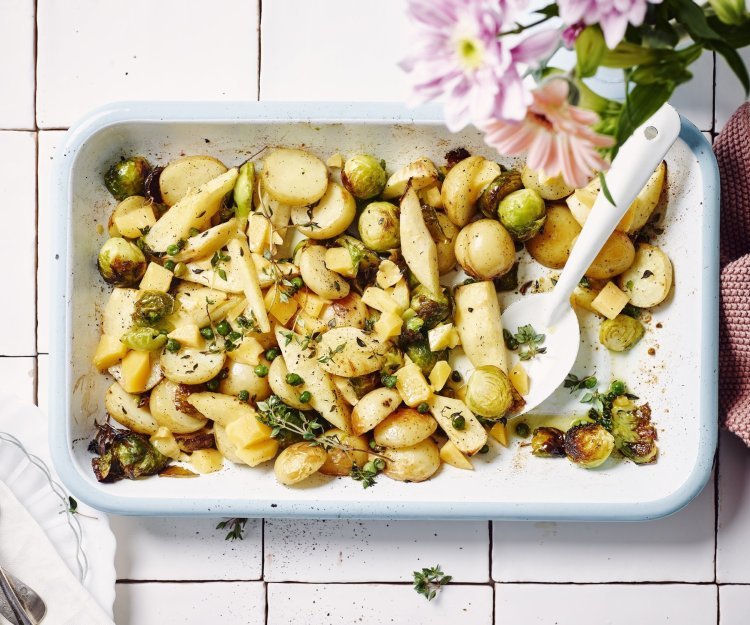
(614, 258)
(485, 250)
(373, 408)
(552, 246)
(298, 462)
(404, 428)
(340, 461)
(549, 188)
(413, 464)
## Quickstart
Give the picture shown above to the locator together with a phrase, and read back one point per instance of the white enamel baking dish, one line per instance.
(679, 381)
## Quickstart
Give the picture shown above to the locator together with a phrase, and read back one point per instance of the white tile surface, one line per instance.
(602, 604)
(42, 381)
(733, 548)
(734, 602)
(17, 242)
(695, 99)
(17, 66)
(49, 142)
(357, 551)
(729, 92)
(159, 549)
(677, 548)
(377, 604)
(348, 51)
(17, 375)
(90, 52)
(236, 603)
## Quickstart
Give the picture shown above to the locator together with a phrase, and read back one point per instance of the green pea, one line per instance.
(234, 336)
(523, 430)
(207, 333)
(423, 408)
(305, 397)
(458, 422)
(271, 354)
(617, 387)
(293, 379)
(261, 371)
(173, 345)
(389, 380)
(243, 395)
(223, 328)
(170, 264)
(297, 283)
(484, 449)
(213, 385)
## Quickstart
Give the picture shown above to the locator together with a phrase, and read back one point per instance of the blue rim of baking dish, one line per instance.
(218, 112)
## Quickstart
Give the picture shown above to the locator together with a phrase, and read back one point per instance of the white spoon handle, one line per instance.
(630, 170)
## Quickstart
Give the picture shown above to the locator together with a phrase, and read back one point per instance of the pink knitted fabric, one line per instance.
(732, 148)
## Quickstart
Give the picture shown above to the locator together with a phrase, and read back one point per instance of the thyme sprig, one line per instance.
(529, 338)
(368, 472)
(429, 581)
(331, 353)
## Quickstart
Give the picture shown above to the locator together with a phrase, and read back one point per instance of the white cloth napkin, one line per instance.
(26, 552)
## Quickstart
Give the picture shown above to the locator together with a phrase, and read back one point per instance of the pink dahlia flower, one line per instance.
(459, 55)
(612, 15)
(556, 136)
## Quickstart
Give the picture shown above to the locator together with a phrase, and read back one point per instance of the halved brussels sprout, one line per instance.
(429, 307)
(144, 339)
(635, 436)
(548, 442)
(522, 213)
(124, 454)
(379, 226)
(588, 444)
(121, 262)
(151, 307)
(127, 177)
(505, 184)
(364, 176)
(489, 392)
(621, 333)
(421, 355)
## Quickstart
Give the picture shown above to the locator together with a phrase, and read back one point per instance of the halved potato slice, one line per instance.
(192, 366)
(649, 278)
(294, 177)
(188, 172)
(165, 412)
(330, 217)
(125, 409)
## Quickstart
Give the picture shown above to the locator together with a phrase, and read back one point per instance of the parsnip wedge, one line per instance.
(239, 252)
(201, 271)
(207, 242)
(649, 278)
(192, 211)
(468, 440)
(421, 172)
(477, 319)
(455, 190)
(417, 246)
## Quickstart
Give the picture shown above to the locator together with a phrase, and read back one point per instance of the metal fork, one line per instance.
(22, 606)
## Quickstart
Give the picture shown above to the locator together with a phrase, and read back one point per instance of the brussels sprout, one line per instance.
(635, 436)
(364, 260)
(364, 176)
(363, 384)
(489, 392)
(423, 357)
(588, 444)
(121, 262)
(505, 184)
(144, 339)
(124, 454)
(621, 333)
(548, 442)
(152, 307)
(522, 213)
(393, 360)
(509, 281)
(455, 156)
(431, 309)
(128, 177)
(379, 226)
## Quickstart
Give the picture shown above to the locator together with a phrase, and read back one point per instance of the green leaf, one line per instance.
(692, 17)
(627, 55)
(605, 188)
(734, 60)
(642, 102)
(590, 48)
(735, 36)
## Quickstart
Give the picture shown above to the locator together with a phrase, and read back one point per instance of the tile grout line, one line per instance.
(260, 45)
(36, 206)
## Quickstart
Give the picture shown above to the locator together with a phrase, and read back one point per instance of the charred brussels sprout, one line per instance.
(124, 455)
(364, 260)
(588, 444)
(128, 177)
(364, 176)
(522, 213)
(489, 392)
(379, 226)
(635, 436)
(548, 442)
(621, 333)
(363, 384)
(505, 184)
(430, 308)
(144, 339)
(121, 262)
(152, 307)
(423, 357)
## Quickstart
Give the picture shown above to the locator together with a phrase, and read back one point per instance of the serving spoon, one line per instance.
(551, 314)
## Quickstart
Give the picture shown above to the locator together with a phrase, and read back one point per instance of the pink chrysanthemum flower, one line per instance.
(459, 55)
(612, 15)
(556, 136)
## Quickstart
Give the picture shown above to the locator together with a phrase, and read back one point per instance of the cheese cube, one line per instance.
(246, 430)
(336, 161)
(519, 379)
(443, 336)
(136, 369)
(610, 301)
(380, 300)
(109, 351)
(439, 375)
(339, 260)
(499, 432)
(258, 453)
(260, 234)
(188, 335)
(164, 442)
(450, 454)
(388, 274)
(412, 386)
(387, 326)
(134, 222)
(401, 295)
(311, 303)
(248, 352)
(156, 278)
(207, 460)
(282, 310)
